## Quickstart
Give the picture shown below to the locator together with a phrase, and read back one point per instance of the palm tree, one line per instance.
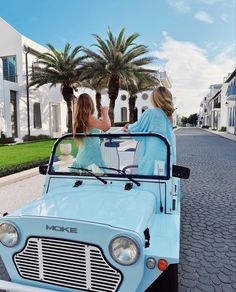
(98, 86)
(147, 81)
(55, 67)
(118, 60)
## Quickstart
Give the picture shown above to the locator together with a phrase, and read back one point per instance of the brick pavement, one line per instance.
(208, 218)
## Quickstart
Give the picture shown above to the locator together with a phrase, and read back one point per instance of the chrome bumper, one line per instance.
(14, 287)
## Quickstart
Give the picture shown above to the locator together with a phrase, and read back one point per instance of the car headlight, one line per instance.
(8, 234)
(124, 250)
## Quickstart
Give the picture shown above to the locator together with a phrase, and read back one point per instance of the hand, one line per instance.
(125, 128)
(104, 109)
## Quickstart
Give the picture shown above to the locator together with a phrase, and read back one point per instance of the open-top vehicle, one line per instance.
(110, 227)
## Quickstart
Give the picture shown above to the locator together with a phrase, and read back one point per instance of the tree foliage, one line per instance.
(63, 68)
(118, 60)
(192, 119)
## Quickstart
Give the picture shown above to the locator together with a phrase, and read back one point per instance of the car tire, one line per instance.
(167, 282)
(3, 273)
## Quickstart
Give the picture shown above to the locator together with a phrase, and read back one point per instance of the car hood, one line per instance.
(109, 205)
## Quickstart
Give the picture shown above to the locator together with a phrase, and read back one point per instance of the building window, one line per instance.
(123, 114)
(37, 116)
(144, 96)
(55, 108)
(9, 68)
(13, 111)
(123, 97)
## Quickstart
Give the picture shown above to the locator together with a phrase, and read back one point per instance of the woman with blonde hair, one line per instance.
(156, 120)
(89, 153)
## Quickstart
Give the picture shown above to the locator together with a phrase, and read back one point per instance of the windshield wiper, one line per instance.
(90, 172)
(123, 173)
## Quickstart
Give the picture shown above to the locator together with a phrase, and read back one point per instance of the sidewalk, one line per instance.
(223, 134)
(12, 178)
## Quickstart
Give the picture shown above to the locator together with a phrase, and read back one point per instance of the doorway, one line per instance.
(13, 111)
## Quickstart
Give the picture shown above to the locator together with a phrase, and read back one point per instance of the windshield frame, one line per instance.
(113, 136)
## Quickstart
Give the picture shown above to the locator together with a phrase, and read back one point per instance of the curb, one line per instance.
(233, 138)
(18, 176)
(176, 129)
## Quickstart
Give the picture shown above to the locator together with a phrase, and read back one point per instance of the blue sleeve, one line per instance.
(142, 125)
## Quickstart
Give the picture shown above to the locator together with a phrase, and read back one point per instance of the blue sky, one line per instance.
(194, 40)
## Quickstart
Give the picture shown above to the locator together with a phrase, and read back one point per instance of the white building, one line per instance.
(42, 111)
(230, 98)
(218, 108)
(46, 108)
(207, 110)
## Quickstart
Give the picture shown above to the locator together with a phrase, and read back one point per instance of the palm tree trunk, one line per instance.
(132, 101)
(68, 93)
(111, 110)
(69, 116)
(98, 102)
(113, 90)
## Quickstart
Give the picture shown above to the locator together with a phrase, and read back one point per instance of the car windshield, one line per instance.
(118, 155)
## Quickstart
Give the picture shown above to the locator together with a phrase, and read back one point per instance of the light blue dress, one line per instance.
(89, 152)
(153, 149)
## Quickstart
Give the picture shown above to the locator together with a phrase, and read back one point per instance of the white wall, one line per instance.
(223, 108)
(2, 122)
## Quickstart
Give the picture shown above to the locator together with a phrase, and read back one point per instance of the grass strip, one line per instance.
(18, 157)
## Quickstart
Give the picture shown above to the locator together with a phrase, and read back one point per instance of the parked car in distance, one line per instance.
(109, 227)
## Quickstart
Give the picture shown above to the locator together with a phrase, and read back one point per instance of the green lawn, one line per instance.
(17, 157)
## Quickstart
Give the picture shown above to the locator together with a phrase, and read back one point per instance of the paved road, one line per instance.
(16, 195)
(208, 218)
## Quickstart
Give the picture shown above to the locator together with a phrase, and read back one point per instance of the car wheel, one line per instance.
(3, 273)
(167, 282)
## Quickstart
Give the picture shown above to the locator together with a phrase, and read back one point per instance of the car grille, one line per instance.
(69, 264)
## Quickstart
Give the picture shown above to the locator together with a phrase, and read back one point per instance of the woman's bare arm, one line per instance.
(103, 124)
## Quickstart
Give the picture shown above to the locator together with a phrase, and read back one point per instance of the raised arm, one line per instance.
(104, 123)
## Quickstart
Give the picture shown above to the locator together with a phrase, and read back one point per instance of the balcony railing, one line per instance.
(12, 78)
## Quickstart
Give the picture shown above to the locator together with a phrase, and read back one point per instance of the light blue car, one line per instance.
(105, 223)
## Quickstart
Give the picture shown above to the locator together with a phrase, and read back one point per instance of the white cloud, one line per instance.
(192, 72)
(209, 2)
(180, 5)
(203, 16)
(224, 17)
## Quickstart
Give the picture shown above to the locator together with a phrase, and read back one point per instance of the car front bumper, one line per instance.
(14, 287)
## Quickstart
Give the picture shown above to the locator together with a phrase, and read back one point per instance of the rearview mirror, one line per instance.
(180, 171)
(43, 169)
(112, 144)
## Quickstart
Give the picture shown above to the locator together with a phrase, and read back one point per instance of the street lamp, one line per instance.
(27, 88)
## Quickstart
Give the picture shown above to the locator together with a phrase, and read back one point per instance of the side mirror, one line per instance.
(180, 171)
(43, 169)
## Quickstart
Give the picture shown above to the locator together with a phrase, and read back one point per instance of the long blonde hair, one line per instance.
(84, 108)
(162, 98)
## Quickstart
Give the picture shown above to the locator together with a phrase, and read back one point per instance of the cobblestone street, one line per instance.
(208, 218)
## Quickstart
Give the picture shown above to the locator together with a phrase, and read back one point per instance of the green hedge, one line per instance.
(6, 140)
(35, 138)
(21, 167)
(18, 157)
(120, 124)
